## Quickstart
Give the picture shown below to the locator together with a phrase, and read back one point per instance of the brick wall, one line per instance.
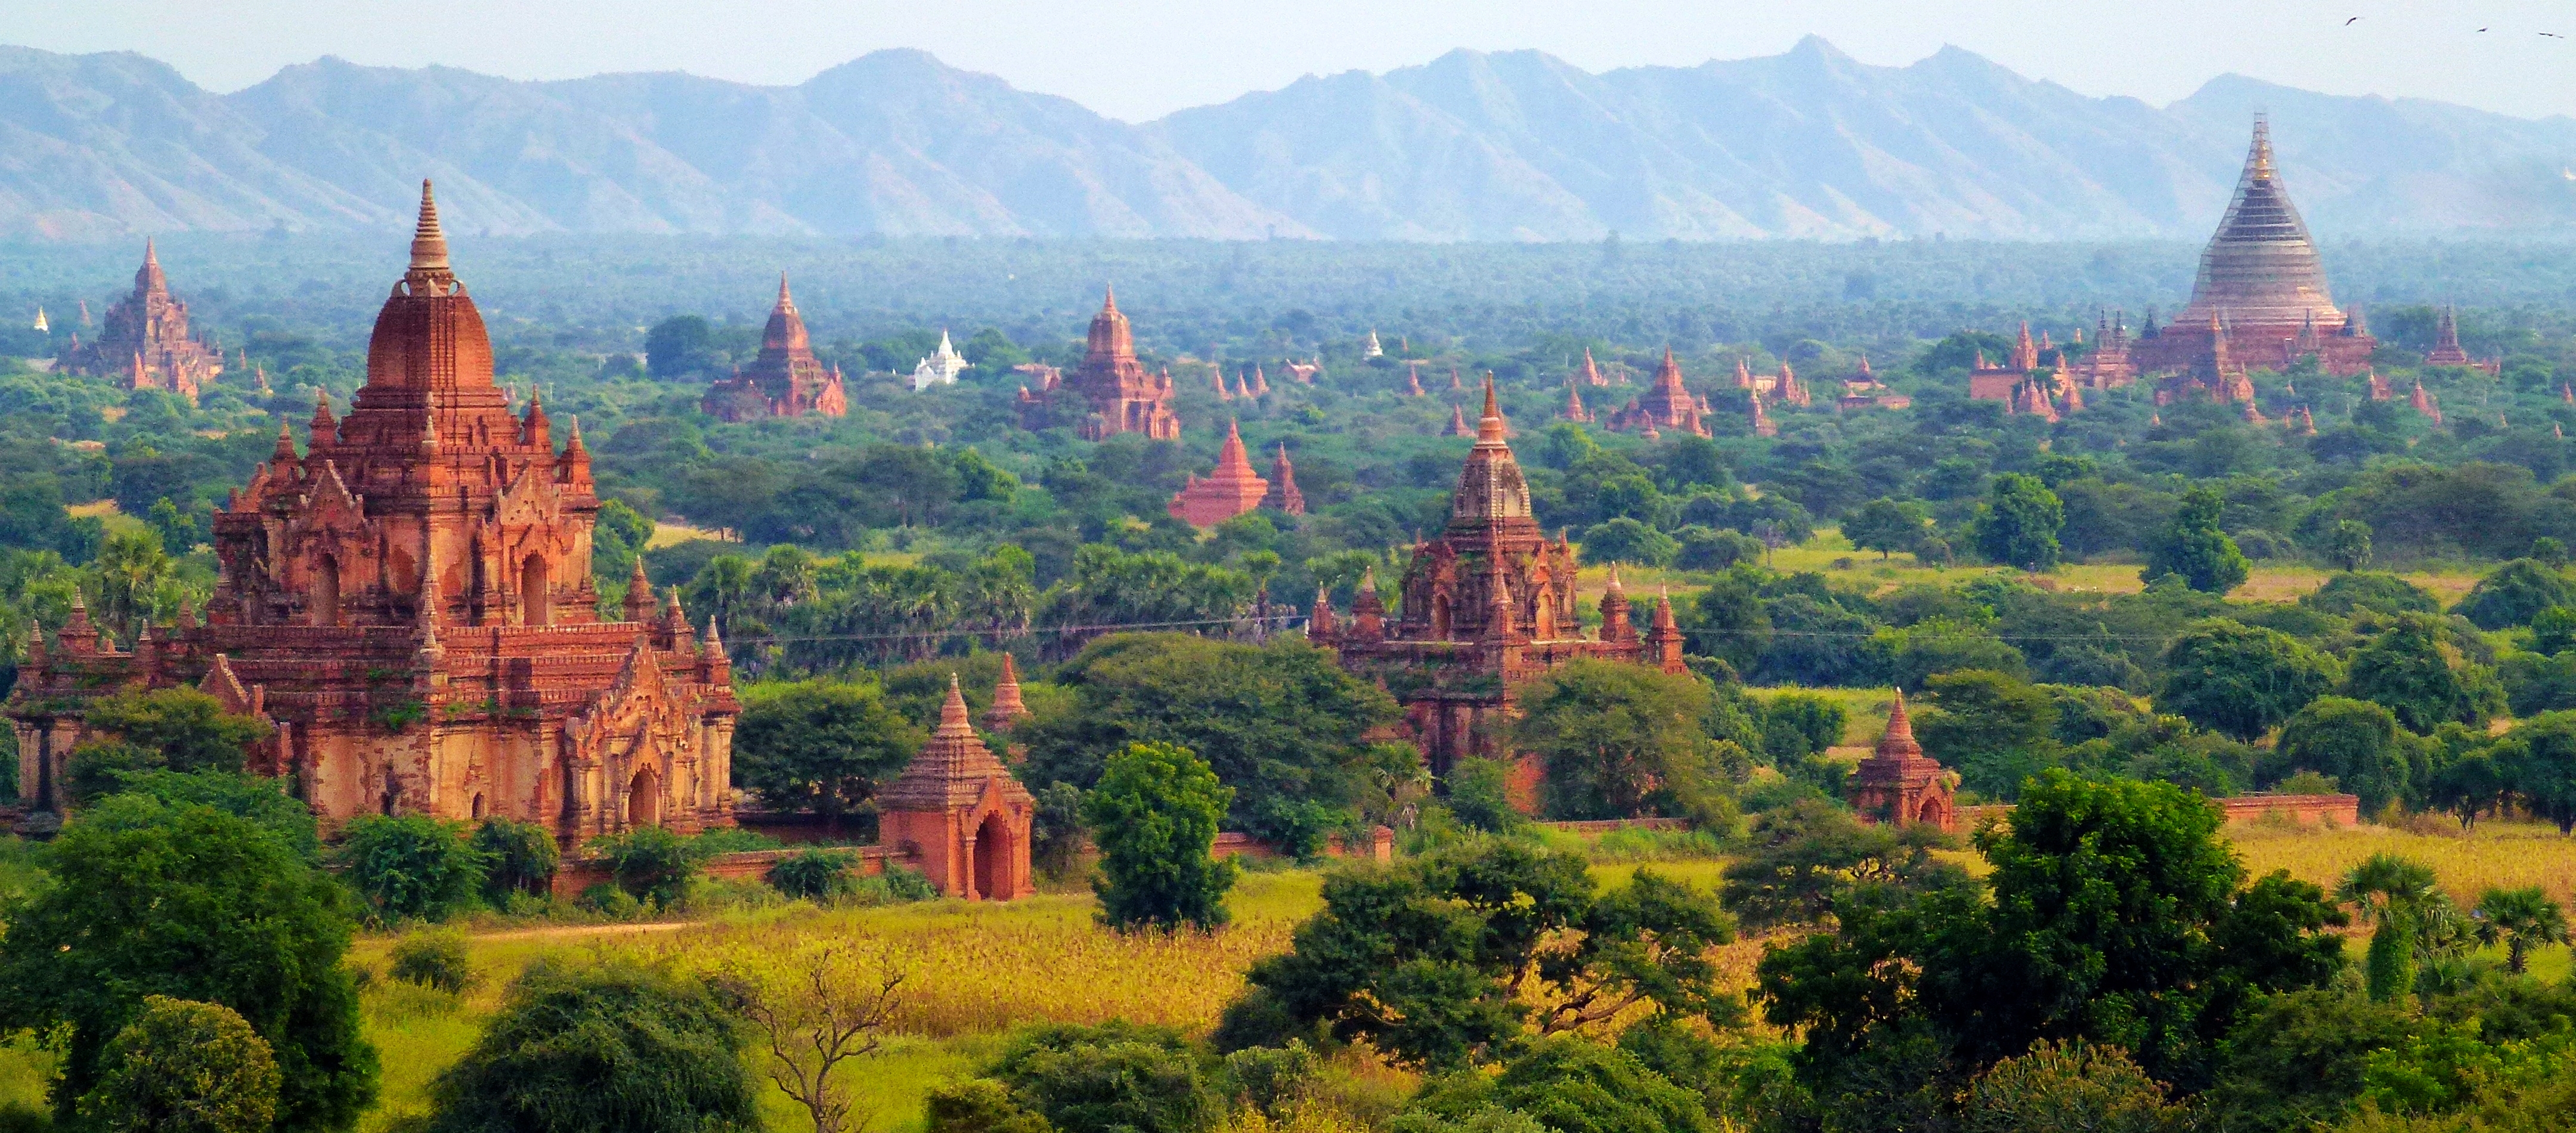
(582, 873)
(2303, 810)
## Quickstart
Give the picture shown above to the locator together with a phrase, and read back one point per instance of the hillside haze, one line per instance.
(1471, 146)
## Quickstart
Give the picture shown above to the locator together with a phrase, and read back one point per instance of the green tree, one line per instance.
(1887, 526)
(183, 1067)
(2413, 669)
(2196, 548)
(2357, 743)
(823, 746)
(980, 1105)
(2467, 785)
(2537, 762)
(2117, 912)
(1624, 540)
(2519, 919)
(1282, 724)
(1997, 729)
(1154, 816)
(596, 1048)
(134, 580)
(2553, 630)
(412, 867)
(149, 898)
(2019, 522)
(1566, 1082)
(1803, 858)
(1448, 959)
(679, 347)
(518, 857)
(2241, 680)
(1727, 620)
(2396, 895)
(2348, 545)
(2378, 593)
(2513, 593)
(1610, 735)
(172, 729)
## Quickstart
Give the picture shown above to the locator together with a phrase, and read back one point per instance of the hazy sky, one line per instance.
(1145, 58)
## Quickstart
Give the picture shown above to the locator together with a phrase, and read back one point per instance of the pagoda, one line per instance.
(409, 602)
(1233, 489)
(1488, 605)
(1666, 405)
(1899, 785)
(146, 344)
(1283, 496)
(785, 380)
(940, 368)
(2260, 277)
(961, 814)
(2446, 345)
(2003, 382)
(1111, 393)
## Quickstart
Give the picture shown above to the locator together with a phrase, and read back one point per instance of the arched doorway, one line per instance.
(993, 858)
(536, 603)
(326, 592)
(644, 799)
(478, 808)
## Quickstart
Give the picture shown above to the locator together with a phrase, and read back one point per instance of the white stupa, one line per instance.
(1373, 350)
(941, 368)
(41, 325)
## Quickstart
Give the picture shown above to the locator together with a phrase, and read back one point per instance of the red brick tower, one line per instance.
(963, 814)
(1666, 405)
(1283, 495)
(1233, 489)
(1111, 393)
(1900, 785)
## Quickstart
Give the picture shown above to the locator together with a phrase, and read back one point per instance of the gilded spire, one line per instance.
(428, 243)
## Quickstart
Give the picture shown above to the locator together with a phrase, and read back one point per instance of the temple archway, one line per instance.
(644, 799)
(478, 807)
(326, 592)
(993, 858)
(536, 601)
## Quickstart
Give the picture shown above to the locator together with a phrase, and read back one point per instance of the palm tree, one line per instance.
(2397, 895)
(2521, 919)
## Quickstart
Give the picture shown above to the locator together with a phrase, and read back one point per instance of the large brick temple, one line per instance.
(145, 342)
(1111, 394)
(785, 380)
(2261, 297)
(410, 603)
(1487, 605)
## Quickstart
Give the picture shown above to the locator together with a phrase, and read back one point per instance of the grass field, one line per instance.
(1834, 557)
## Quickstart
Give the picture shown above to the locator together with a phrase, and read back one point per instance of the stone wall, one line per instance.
(2329, 811)
(1380, 846)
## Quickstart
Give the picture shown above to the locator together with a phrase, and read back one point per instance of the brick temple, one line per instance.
(145, 343)
(961, 814)
(785, 380)
(2261, 296)
(1899, 785)
(1666, 406)
(409, 603)
(1111, 393)
(1231, 490)
(1488, 605)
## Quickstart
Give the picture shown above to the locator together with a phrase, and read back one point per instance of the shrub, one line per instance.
(1115, 1076)
(607, 900)
(814, 875)
(2514, 593)
(904, 883)
(607, 1047)
(980, 1105)
(2070, 1088)
(185, 1067)
(518, 857)
(650, 863)
(1624, 540)
(1480, 795)
(411, 867)
(434, 960)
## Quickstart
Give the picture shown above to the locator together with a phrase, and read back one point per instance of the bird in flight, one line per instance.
(2352, 21)
(2553, 35)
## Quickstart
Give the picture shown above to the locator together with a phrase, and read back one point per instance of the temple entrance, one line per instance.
(644, 799)
(993, 859)
(478, 808)
(326, 592)
(536, 604)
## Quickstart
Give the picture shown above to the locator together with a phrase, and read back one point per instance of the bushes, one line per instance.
(434, 960)
(518, 857)
(814, 875)
(411, 867)
(609, 1047)
(1156, 811)
(1115, 1076)
(650, 863)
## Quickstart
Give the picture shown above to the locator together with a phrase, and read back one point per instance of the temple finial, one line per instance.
(428, 242)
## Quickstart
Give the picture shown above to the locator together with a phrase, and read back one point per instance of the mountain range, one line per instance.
(1470, 146)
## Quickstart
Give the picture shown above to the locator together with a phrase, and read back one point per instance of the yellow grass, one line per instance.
(1865, 710)
(92, 508)
(666, 533)
(2499, 855)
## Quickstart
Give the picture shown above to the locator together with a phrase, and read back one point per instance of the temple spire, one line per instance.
(428, 242)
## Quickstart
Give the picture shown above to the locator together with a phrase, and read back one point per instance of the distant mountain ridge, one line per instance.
(1470, 146)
